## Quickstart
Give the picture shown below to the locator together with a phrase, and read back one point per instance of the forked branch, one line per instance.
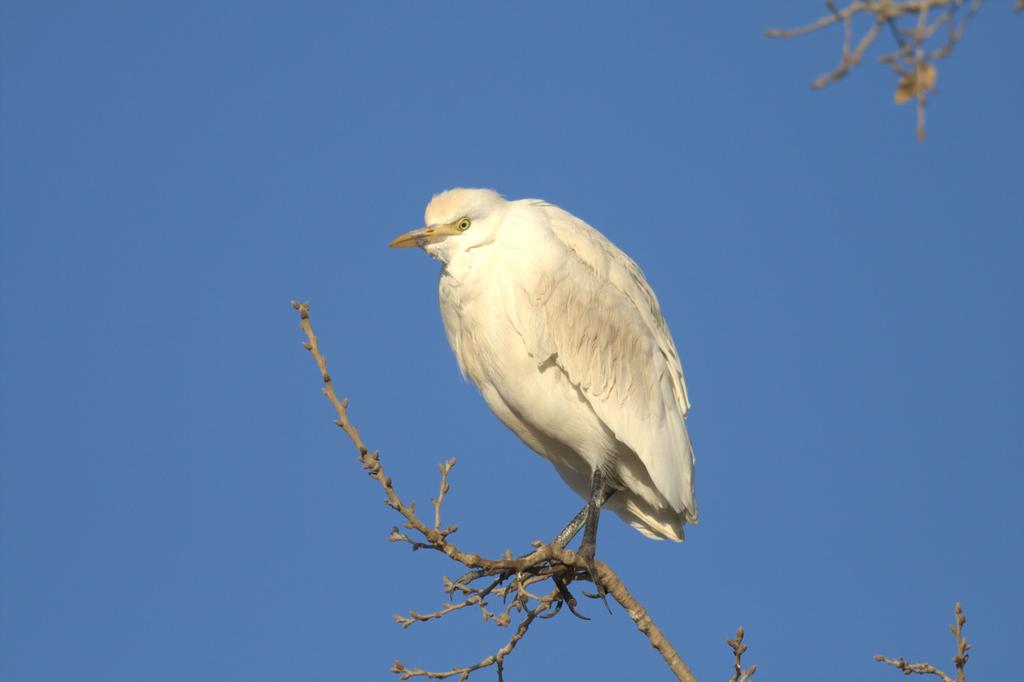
(959, 659)
(924, 32)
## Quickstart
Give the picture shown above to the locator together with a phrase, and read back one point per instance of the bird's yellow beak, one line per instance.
(423, 235)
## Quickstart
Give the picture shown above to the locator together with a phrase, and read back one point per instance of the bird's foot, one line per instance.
(586, 552)
(567, 598)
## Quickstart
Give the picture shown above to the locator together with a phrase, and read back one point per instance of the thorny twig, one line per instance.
(738, 649)
(959, 659)
(507, 578)
(914, 25)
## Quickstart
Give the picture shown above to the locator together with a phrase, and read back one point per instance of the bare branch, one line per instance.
(914, 25)
(959, 659)
(496, 658)
(506, 577)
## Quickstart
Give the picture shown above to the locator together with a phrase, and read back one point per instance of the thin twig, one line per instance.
(444, 467)
(959, 659)
(497, 658)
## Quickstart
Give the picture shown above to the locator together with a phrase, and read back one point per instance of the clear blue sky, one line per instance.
(174, 501)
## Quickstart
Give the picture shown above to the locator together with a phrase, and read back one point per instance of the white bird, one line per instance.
(565, 340)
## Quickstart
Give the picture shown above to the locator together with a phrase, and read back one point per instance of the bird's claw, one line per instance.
(586, 552)
(567, 598)
(465, 580)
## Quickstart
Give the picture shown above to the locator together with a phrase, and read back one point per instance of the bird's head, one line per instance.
(456, 220)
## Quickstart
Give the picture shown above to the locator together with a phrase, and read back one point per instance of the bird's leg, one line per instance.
(566, 536)
(574, 526)
(592, 513)
(588, 546)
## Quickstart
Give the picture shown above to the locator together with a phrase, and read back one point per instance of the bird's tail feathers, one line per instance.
(657, 524)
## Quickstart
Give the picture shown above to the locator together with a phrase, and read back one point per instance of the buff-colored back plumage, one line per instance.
(600, 321)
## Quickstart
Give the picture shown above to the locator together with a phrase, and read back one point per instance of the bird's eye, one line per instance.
(463, 224)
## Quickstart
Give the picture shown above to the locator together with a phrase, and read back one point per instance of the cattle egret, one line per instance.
(565, 340)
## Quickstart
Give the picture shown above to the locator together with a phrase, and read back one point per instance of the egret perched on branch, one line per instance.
(565, 340)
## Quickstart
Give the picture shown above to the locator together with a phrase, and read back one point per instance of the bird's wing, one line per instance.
(593, 314)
